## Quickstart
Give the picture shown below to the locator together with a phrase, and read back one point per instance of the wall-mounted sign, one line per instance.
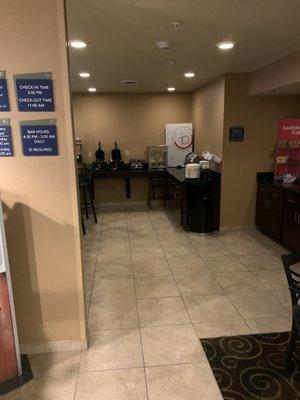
(237, 134)
(6, 146)
(4, 102)
(34, 92)
(39, 137)
(287, 160)
(179, 139)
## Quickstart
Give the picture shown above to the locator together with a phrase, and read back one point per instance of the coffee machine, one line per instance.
(100, 159)
(116, 159)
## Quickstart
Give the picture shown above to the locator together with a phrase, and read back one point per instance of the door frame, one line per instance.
(4, 268)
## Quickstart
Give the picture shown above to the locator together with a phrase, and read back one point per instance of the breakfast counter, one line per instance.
(195, 203)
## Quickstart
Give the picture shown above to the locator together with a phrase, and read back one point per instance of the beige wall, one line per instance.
(208, 117)
(40, 193)
(134, 121)
(138, 120)
(275, 77)
(241, 161)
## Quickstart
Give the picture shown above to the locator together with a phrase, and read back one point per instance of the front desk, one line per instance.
(194, 203)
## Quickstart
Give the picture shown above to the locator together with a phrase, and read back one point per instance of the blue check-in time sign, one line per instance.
(39, 138)
(6, 145)
(34, 92)
(4, 101)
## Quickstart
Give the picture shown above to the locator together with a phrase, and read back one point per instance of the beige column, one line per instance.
(39, 194)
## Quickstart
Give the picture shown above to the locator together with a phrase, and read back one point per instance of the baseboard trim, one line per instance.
(238, 228)
(53, 347)
(127, 206)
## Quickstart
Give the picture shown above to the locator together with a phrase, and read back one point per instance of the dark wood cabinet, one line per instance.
(274, 218)
(291, 221)
(262, 212)
(195, 204)
(177, 197)
(278, 212)
(269, 210)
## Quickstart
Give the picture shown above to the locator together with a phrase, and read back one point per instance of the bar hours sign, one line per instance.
(39, 137)
(6, 146)
(4, 103)
(34, 92)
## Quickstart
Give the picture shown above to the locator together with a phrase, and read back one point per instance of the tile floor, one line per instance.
(152, 290)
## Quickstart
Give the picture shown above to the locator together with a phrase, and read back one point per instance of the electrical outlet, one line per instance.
(90, 154)
(127, 153)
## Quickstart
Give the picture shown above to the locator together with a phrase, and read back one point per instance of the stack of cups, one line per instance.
(192, 171)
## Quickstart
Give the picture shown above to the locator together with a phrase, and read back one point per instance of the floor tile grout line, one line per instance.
(93, 280)
(182, 299)
(87, 312)
(226, 294)
(90, 297)
(272, 294)
(207, 266)
(109, 370)
(137, 311)
(77, 379)
(141, 327)
(143, 367)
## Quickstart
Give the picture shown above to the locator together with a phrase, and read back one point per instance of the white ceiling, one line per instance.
(122, 36)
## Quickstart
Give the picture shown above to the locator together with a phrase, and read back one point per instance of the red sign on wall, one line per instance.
(289, 129)
(287, 159)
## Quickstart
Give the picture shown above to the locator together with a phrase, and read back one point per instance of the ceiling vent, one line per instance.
(129, 82)
(163, 45)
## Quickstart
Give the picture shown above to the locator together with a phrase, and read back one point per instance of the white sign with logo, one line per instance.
(179, 139)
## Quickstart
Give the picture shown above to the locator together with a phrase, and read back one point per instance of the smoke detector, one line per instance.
(177, 25)
(163, 45)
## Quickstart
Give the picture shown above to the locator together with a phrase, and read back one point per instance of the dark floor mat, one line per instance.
(252, 367)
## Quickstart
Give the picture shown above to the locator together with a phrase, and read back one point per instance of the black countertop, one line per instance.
(176, 173)
(179, 175)
(268, 178)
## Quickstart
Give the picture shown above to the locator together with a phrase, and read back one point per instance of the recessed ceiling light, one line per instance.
(171, 89)
(84, 74)
(163, 45)
(225, 45)
(189, 74)
(92, 89)
(77, 44)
